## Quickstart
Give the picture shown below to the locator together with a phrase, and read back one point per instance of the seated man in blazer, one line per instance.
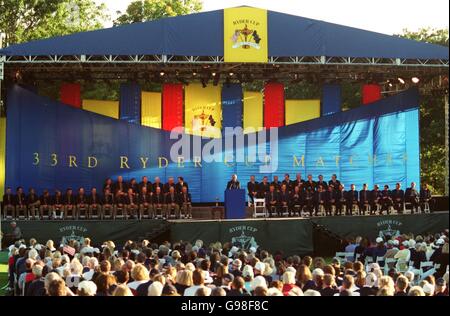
(108, 204)
(69, 202)
(172, 203)
(145, 203)
(46, 205)
(131, 204)
(94, 204)
(364, 199)
(82, 204)
(352, 199)
(21, 203)
(58, 205)
(272, 200)
(185, 203)
(33, 203)
(284, 200)
(8, 204)
(158, 201)
(412, 196)
(398, 198)
(296, 203)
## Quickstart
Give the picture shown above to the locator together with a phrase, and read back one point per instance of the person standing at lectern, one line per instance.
(233, 184)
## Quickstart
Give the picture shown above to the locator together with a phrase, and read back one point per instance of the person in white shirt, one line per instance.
(198, 279)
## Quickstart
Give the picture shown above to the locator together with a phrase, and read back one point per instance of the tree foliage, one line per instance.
(432, 120)
(25, 20)
(147, 10)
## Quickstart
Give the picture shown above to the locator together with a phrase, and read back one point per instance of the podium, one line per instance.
(235, 204)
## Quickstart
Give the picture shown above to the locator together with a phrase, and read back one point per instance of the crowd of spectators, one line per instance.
(184, 269)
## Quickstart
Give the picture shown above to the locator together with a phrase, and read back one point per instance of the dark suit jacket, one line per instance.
(69, 200)
(167, 186)
(58, 199)
(116, 187)
(133, 198)
(169, 199)
(108, 199)
(154, 185)
(284, 196)
(328, 291)
(179, 187)
(274, 196)
(252, 187)
(8, 199)
(145, 198)
(148, 185)
(364, 195)
(181, 198)
(352, 196)
(158, 198)
(233, 185)
(263, 188)
(398, 194)
(46, 200)
(97, 200)
(32, 198)
(82, 199)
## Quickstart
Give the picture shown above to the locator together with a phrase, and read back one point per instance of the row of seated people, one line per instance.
(146, 202)
(314, 197)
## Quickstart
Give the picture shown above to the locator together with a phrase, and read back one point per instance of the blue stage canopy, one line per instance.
(201, 34)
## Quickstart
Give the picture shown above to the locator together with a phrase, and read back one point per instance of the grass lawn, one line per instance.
(3, 270)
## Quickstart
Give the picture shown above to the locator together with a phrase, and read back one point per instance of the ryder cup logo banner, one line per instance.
(245, 35)
(72, 232)
(389, 228)
(243, 236)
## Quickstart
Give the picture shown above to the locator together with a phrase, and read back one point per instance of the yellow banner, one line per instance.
(203, 110)
(107, 108)
(151, 109)
(253, 110)
(301, 110)
(245, 35)
(2, 155)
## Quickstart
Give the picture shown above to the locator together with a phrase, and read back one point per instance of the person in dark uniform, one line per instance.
(310, 183)
(108, 204)
(120, 185)
(322, 183)
(158, 201)
(335, 182)
(298, 182)
(185, 203)
(33, 203)
(284, 201)
(119, 200)
(386, 200)
(352, 200)
(364, 199)
(45, 205)
(252, 189)
(172, 203)
(82, 204)
(319, 200)
(145, 183)
(330, 200)
(233, 183)
(69, 202)
(287, 181)
(157, 183)
(308, 198)
(375, 199)
(108, 185)
(341, 200)
(145, 203)
(21, 203)
(276, 183)
(180, 184)
(412, 196)
(425, 197)
(272, 200)
(170, 183)
(131, 204)
(8, 204)
(58, 205)
(134, 186)
(94, 204)
(295, 200)
(264, 187)
(398, 198)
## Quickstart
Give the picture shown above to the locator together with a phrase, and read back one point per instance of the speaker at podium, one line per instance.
(234, 200)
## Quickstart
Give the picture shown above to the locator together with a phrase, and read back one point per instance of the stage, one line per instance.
(294, 235)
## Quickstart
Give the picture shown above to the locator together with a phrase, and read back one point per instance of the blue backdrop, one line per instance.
(371, 144)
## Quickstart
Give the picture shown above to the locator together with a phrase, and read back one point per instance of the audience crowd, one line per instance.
(184, 269)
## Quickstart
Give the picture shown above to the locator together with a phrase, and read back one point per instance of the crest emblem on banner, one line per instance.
(245, 239)
(245, 35)
(246, 38)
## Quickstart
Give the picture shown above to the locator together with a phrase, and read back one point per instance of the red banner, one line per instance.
(371, 93)
(70, 94)
(273, 104)
(172, 106)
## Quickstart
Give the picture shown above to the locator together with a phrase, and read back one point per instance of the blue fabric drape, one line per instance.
(130, 103)
(376, 144)
(232, 105)
(331, 99)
